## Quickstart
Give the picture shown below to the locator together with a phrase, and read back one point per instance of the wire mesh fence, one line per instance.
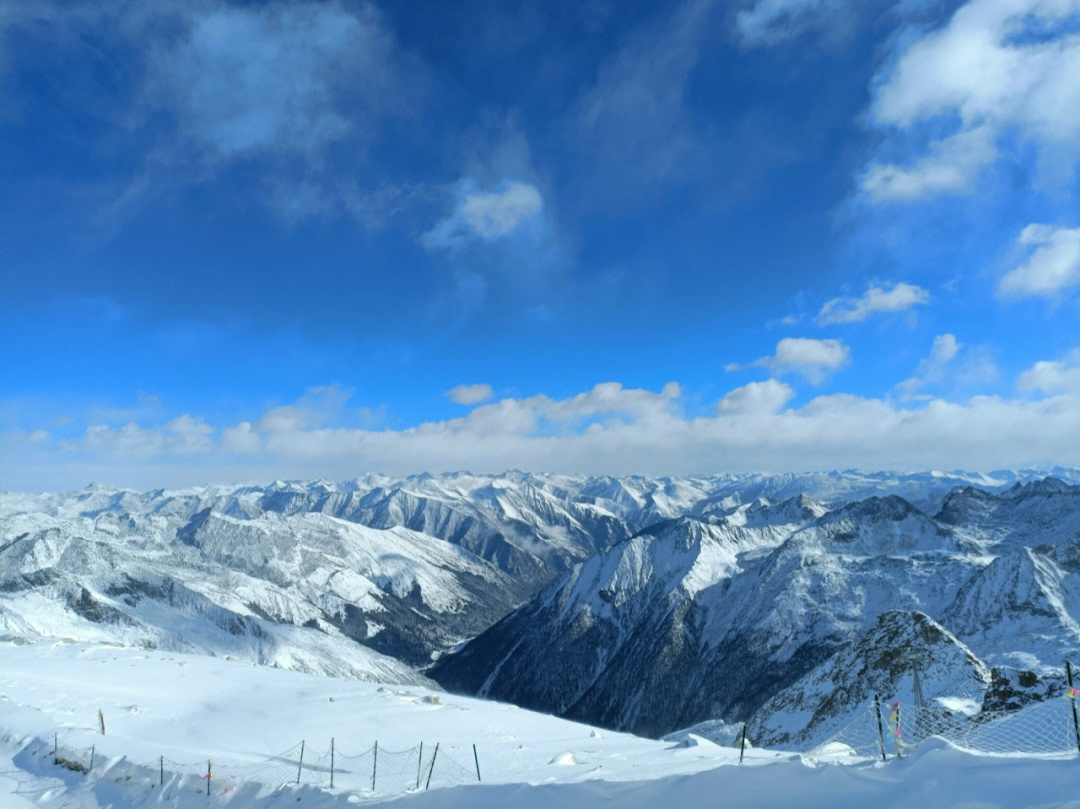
(894, 728)
(446, 769)
(374, 771)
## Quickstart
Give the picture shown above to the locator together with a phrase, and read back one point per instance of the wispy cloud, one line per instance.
(298, 93)
(899, 298)
(812, 359)
(950, 167)
(485, 215)
(241, 80)
(766, 22)
(932, 368)
(632, 124)
(952, 364)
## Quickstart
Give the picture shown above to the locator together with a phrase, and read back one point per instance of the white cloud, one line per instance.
(999, 68)
(485, 215)
(802, 355)
(282, 419)
(470, 394)
(876, 299)
(752, 427)
(1052, 263)
(757, 397)
(1053, 376)
(612, 397)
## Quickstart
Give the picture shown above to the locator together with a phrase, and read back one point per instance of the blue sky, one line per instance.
(242, 241)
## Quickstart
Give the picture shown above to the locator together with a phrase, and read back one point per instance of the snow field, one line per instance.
(249, 720)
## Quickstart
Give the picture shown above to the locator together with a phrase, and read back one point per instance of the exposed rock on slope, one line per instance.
(879, 662)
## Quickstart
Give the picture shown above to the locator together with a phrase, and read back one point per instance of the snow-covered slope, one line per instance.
(248, 722)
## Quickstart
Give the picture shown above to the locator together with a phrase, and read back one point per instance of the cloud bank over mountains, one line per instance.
(606, 429)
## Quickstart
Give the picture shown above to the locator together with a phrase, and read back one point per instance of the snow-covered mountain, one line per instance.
(306, 591)
(641, 603)
(709, 618)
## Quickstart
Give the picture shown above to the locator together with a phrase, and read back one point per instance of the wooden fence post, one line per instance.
(419, 764)
(300, 764)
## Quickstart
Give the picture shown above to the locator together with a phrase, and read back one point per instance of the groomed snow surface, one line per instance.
(191, 709)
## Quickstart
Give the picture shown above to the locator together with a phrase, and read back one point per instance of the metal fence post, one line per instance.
(880, 732)
(430, 771)
(1072, 701)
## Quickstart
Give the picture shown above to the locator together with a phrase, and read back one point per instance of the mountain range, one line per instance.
(645, 604)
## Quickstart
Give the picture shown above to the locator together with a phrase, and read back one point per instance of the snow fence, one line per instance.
(891, 729)
(373, 772)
